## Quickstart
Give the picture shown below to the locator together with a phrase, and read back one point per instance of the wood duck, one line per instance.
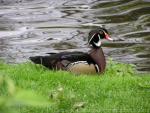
(79, 62)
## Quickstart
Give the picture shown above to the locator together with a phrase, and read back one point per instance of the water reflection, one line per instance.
(34, 27)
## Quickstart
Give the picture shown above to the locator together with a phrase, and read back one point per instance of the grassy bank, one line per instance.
(118, 90)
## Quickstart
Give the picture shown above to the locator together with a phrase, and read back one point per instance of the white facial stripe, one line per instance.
(99, 37)
(91, 38)
(98, 43)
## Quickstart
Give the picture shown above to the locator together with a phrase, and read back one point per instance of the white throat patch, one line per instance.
(99, 42)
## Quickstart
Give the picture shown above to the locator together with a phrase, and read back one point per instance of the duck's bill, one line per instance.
(108, 37)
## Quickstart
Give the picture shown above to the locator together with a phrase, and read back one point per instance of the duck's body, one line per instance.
(78, 62)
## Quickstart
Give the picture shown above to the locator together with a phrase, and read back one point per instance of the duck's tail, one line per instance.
(43, 60)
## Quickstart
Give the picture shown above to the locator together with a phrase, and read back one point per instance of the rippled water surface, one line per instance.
(35, 27)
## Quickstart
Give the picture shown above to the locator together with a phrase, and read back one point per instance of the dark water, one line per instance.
(35, 27)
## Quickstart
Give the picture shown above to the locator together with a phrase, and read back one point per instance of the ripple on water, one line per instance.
(37, 27)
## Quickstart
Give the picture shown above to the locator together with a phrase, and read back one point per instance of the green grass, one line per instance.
(119, 90)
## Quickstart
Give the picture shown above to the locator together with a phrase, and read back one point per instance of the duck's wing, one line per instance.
(75, 56)
(46, 61)
(51, 53)
(61, 59)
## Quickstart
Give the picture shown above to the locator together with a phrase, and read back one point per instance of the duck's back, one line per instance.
(77, 62)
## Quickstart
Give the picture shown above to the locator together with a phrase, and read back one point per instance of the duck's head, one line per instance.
(96, 35)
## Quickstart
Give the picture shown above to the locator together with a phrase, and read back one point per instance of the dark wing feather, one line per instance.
(51, 53)
(51, 60)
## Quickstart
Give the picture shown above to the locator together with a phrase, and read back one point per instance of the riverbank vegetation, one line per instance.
(30, 88)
